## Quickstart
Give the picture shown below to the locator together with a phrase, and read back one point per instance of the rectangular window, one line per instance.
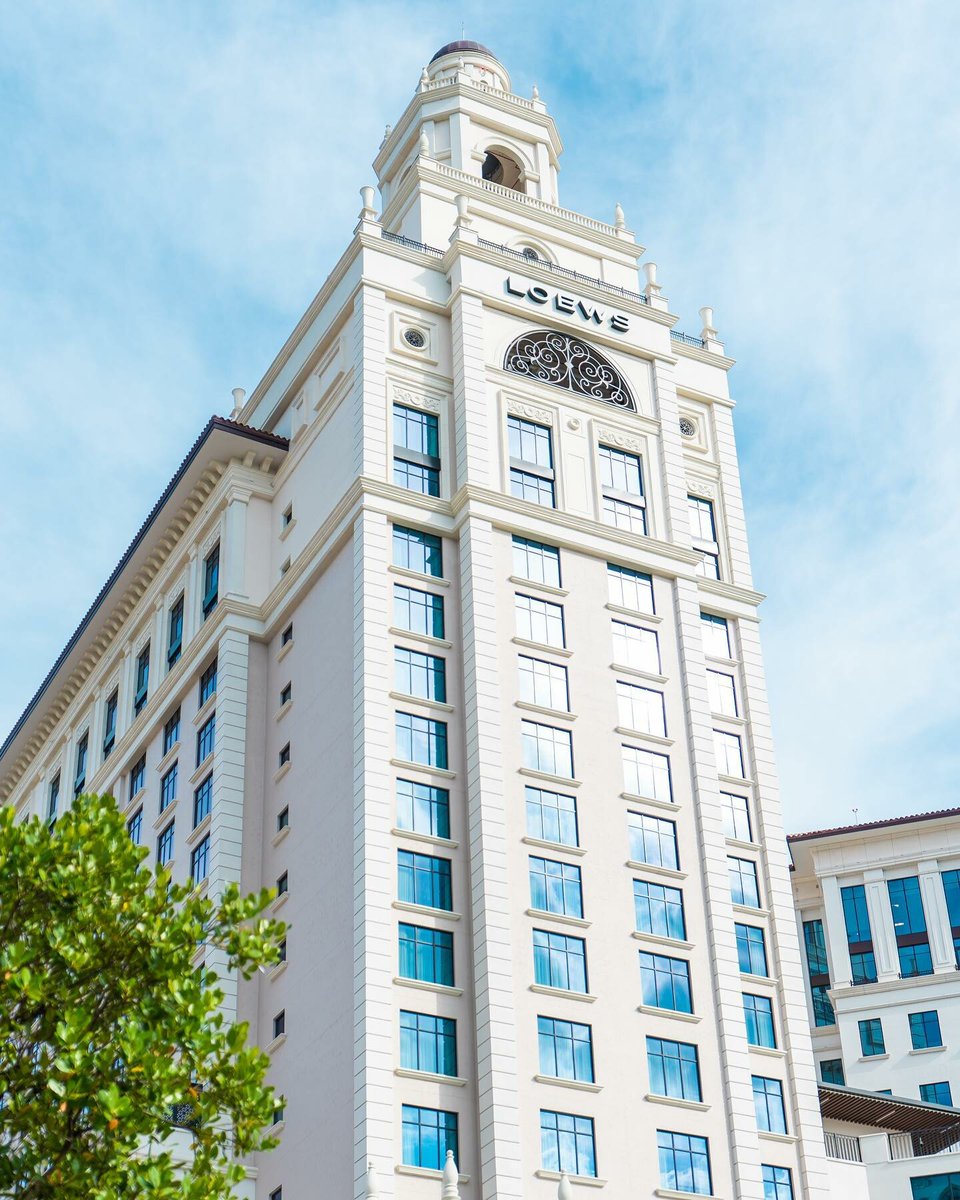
(566, 1049)
(951, 891)
(206, 736)
(417, 551)
(818, 969)
(547, 749)
(551, 817)
(635, 647)
(777, 1183)
(168, 788)
(283, 884)
(936, 1093)
(641, 708)
(736, 817)
(910, 926)
(659, 910)
(80, 775)
(716, 636)
(665, 982)
(424, 879)
(536, 561)
(722, 691)
(110, 725)
(208, 684)
(283, 818)
(165, 845)
(422, 808)
(138, 775)
(418, 612)
(630, 589)
(539, 621)
(768, 1103)
(202, 800)
(286, 694)
(567, 1144)
(175, 632)
(544, 684)
(211, 581)
(559, 961)
(925, 1029)
(744, 887)
(427, 1136)
(646, 774)
(703, 530)
(531, 462)
(171, 732)
(729, 754)
(284, 756)
(751, 949)
(423, 675)
(135, 827)
(674, 1069)
(856, 918)
(428, 1043)
(758, 1014)
(555, 887)
(426, 954)
(621, 481)
(653, 840)
(684, 1162)
(416, 450)
(421, 740)
(871, 1037)
(141, 680)
(53, 800)
(287, 636)
(200, 860)
(831, 1071)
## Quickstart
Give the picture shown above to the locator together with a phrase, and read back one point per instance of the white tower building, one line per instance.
(451, 635)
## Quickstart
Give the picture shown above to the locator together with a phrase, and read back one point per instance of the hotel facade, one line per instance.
(450, 635)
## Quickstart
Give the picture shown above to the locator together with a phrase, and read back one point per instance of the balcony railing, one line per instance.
(843, 1147)
(411, 244)
(566, 272)
(924, 1143)
(687, 339)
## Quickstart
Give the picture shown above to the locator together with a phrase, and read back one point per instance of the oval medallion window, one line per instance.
(563, 361)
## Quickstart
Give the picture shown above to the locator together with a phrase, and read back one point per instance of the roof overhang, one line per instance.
(893, 1113)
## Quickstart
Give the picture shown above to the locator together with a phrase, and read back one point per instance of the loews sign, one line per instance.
(568, 304)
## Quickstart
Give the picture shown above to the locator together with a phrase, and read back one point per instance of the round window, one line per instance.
(414, 338)
(687, 427)
(530, 254)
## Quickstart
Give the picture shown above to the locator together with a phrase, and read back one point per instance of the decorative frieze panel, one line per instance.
(701, 487)
(622, 441)
(529, 412)
(415, 399)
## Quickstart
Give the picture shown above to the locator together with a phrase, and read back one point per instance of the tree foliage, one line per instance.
(107, 1024)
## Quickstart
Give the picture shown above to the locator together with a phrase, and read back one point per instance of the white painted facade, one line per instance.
(300, 495)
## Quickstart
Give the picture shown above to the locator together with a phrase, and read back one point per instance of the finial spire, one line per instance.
(373, 1184)
(451, 1179)
(564, 1188)
(535, 95)
(619, 220)
(424, 144)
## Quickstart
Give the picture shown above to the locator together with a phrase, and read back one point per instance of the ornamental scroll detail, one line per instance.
(563, 361)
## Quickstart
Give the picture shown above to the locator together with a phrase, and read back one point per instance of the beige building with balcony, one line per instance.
(450, 635)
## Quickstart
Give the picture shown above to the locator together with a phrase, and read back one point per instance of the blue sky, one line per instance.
(176, 181)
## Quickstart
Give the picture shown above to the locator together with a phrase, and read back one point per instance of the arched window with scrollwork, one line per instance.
(548, 356)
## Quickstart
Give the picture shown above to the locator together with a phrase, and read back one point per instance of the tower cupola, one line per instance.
(469, 60)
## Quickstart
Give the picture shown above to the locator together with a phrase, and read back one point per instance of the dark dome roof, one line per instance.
(453, 47)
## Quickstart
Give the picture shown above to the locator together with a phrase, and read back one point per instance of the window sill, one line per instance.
(168, 758)
(281, 771)
(562, 651)
(423, 985)
(205, 709)
(280, 835)
(769, 1051)
(670, 1194)
(277, 971)
(541, 915)
(730, 718)
(562, 714)
(421, 637)
(666, 872)
(658, 940)
(623, 669)
(424, 910)
(542, 990)
(284, 650)
(927, 1050)
(425, 1173)
(544, 587)
(560, 847)
(657, 740)
(283, 710)
(406, 573)
(406, 765)
(633, 612)
(677, 1102)
(138, 796)
(652, 1011)
(787, 1139)
(577, 1084)
(202, 769)
(426, 838)
(430, 1077)
(164, 817)
(871, 1058)
(197, 834)
(287, 529)
(563, 780)
(750, 911)
(280, 901)
(277, 1042)
(741, 845)
(633, 798)
(585, 1180)
(746, 977)
(406, 698)
(740, 781)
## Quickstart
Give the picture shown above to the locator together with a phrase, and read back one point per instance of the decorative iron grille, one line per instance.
(563, 361)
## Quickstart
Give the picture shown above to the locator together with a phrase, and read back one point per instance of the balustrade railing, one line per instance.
(842, 1146)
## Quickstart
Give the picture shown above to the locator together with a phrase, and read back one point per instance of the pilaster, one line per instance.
(838, 951)
(732, 498)
(881, 925)
(233, 550)
(676, 514)
(476, 442)
(371, 426)
(938, 920)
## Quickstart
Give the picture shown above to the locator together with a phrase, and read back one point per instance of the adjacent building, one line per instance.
(449, 634)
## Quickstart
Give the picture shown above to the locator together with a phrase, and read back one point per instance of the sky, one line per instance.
(176, 181)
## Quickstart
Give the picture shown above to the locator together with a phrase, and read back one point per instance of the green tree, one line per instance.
(106, 1024)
